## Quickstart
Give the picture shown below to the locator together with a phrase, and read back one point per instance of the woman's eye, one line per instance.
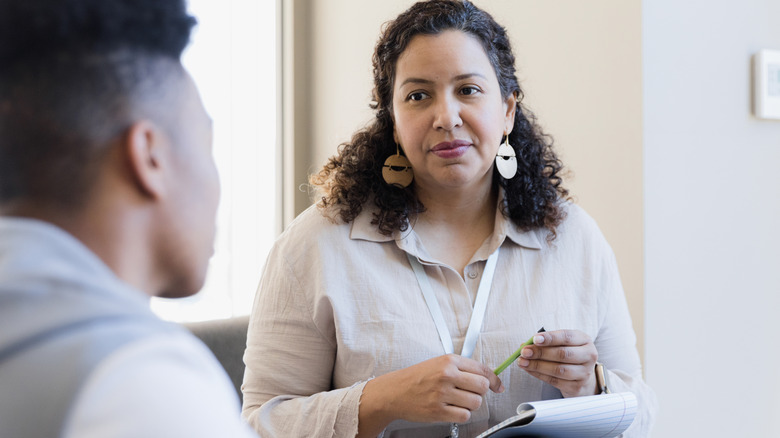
(468, 91)
(417, 96)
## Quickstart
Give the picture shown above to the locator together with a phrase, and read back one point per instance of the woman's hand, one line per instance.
(443, 389)
(565, 359)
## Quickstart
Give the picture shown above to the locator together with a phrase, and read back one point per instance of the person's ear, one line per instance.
(511, 107)
(146, 148)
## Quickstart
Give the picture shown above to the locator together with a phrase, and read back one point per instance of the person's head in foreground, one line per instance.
(446, 97)
(103, 133)
(108, 195)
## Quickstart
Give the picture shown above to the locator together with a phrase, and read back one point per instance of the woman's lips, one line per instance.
(451, 149)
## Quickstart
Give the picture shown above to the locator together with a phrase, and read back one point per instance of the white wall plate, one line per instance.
(766, 84)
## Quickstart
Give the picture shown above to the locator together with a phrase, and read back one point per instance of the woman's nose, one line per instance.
(447, 114)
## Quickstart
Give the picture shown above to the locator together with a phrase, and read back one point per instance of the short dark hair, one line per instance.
(354, 175)
(72, 74)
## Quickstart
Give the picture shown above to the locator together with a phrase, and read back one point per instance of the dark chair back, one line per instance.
(227, 340)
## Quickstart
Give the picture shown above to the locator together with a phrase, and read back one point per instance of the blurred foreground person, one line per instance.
(108, 196)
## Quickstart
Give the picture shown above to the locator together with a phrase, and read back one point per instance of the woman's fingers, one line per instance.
(574, 355)
(564, 359)
(564, 346)
(561, 337)
(464, 399)
(445, 388)
(569, 388)
(479, 377)
(557, 370)
(455, 414)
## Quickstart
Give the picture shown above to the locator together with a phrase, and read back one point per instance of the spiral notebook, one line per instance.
(595, 416)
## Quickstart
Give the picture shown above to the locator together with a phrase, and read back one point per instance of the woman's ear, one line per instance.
(511, 108)
(145, 148)
(395, 132)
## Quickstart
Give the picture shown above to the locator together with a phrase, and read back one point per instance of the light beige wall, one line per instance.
(346, 31)
(579, 62)
(295, 78)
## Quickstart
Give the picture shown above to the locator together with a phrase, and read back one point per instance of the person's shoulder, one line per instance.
(170, 382)
(168, 355)
(578, 227)
(314, 221)
(312, 216)
(576, 217)
(313, 228)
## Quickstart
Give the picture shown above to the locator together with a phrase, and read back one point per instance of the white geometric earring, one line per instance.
(397, 170)
(506, 160)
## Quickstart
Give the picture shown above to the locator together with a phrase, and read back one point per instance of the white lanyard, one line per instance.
(477, 315)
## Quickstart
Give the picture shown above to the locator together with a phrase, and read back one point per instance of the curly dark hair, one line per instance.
(354, 175)
(73, 75)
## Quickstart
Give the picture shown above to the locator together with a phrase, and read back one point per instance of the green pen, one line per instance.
(516, 354)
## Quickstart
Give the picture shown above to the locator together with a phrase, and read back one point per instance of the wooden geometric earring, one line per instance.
(397, 170)
(506, 160)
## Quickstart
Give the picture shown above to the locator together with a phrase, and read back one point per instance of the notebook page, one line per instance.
(598, 416)
(605, 415)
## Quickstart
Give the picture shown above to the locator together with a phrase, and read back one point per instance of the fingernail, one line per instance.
(527, 352)
(538, 339)
(501, 388)
(523, 362)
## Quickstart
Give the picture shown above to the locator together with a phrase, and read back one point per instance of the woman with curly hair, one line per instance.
(442, 241)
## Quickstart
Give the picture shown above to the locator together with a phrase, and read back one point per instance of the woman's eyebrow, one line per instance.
(415, 81)
(428, 81)
(468, 75)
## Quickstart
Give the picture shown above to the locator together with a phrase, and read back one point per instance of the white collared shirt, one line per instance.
(339, 304)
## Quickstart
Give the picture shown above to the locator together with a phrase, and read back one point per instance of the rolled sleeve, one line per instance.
(289, 363)
(616, 344)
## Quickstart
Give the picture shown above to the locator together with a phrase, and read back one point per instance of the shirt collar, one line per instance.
(363, 229)
(531, 239)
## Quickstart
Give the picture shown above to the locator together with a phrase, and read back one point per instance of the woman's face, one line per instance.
(448, 111)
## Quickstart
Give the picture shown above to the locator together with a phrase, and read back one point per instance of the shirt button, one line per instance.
(473, 274)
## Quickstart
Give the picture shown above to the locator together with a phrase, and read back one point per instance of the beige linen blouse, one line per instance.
(339, 304)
